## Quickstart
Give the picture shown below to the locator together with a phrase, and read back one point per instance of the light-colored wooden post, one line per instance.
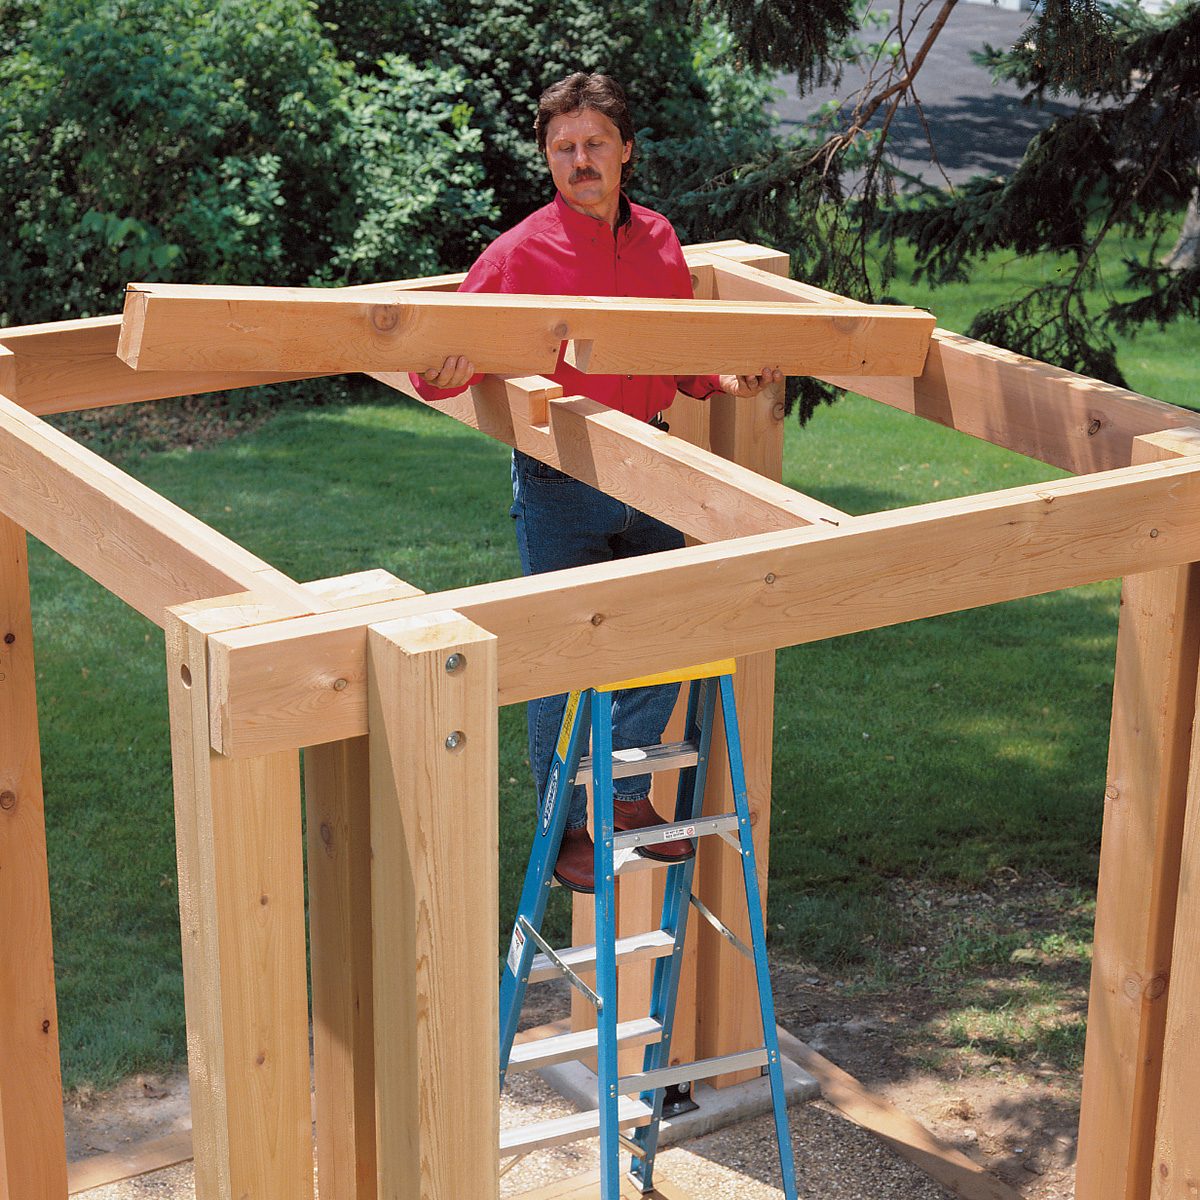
(1175, 1173)
(1158, 649)
(241, 907)
(337, 797)
(33, 1159)
(1176, 1164)
(435, 906)
(750, 432)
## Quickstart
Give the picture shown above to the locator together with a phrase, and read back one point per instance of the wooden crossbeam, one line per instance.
(302, 681)
(137, 544)
(1056, 416)
(203, 328)
(693, 490)
(70, 366)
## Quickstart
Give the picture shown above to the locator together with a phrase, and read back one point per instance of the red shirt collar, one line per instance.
(585, 226)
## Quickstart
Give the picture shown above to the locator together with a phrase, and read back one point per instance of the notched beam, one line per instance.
(203, 328)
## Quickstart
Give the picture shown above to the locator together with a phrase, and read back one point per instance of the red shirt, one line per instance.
(557, 251)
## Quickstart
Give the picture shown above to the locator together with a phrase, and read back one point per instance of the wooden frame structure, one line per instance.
(358, 671)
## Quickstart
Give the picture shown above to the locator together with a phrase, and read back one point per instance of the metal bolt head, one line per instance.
(454, 739)
(455, 663)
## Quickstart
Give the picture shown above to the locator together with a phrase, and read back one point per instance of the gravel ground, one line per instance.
(835, 1159)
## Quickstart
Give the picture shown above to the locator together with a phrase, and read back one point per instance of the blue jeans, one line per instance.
(563, 523)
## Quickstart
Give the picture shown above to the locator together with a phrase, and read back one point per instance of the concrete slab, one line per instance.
(718, 1108)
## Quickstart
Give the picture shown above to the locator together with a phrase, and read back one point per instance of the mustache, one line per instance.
(584, 173)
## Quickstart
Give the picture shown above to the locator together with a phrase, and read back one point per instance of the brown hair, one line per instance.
(581, 90)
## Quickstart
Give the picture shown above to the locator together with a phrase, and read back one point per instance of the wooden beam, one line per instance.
(69, 366)
(1057, 416)
(908, 1137)
(140, 546)
(200, 328)
(280, 685)
(66, 366)
(700, 493)
(435, 905)
(1154, 699)
(86, 1174)
(241, 903)
(337, 796)
(33, 1159)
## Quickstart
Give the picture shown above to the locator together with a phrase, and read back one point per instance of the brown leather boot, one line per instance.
(576, 866)
(640, 814)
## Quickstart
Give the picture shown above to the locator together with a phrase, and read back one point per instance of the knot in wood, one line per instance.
(847, 325)
(8, 801)
(339, 685)
(769, 577)
(1111, 793)
(9, 638)
(597, 618)
(46, 1026)
(385, 317)
(1094, 426)
(1156, 988)
(326, 835)
(561, 331)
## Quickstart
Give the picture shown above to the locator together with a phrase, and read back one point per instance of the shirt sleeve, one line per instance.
(701, 387)
(486, 275)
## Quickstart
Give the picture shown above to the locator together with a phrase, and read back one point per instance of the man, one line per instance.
(590, 240)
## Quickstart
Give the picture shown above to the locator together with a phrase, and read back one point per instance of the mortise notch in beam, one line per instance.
(184, 327)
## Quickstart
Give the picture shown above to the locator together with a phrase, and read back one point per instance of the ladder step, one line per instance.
(647, 1081)
(654, 835)
(521, 1140)
(655, 943)
(643, 760)
(528, 1056)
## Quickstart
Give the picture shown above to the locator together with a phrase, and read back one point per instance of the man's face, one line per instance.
(585, 153)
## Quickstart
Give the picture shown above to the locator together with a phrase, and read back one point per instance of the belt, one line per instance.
(659, 422)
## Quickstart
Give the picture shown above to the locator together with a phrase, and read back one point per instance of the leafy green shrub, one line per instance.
(220, 142)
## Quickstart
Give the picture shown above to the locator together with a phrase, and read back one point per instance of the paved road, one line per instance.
(979, 127)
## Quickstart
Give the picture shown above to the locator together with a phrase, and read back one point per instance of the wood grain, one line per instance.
(435, 908)
(700, 493)
(275, 686)
(1154, 698)
(1057, 416)
(749, 433)
(196, 327)
(241, 901)
(134, 542)
(32, 1143)
(338, 803)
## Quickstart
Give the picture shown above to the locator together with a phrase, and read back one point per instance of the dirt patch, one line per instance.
(976, 1031)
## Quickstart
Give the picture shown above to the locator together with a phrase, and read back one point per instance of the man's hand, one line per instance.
(749, 385)
(455, 372)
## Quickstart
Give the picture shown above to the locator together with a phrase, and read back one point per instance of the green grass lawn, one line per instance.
(942, 750)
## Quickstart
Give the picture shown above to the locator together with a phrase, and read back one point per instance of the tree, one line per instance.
(218, 142)
(1123, 162)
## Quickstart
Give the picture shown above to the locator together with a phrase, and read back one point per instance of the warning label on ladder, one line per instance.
(514, 949)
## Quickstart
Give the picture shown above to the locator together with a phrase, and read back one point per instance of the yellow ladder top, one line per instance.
(724, 666)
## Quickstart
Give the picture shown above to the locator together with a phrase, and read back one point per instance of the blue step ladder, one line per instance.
(633, 1104)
